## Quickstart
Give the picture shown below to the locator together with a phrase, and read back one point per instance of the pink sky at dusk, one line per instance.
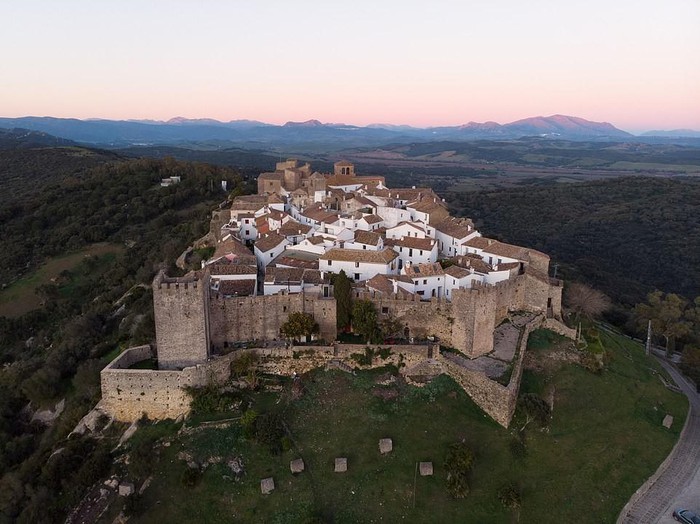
(632, 63)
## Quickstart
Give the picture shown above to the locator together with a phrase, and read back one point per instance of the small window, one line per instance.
(272, 254)
(357, 277)
(284, 309)
(357, 264)
(385, 310)
(364, 247)
(425, 282)
(329, 262)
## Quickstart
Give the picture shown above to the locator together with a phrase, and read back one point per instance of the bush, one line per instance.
(364, 359)
(509, 496)
(190, 477)
(458, 463)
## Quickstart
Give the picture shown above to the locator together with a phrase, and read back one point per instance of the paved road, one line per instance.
(677, 481)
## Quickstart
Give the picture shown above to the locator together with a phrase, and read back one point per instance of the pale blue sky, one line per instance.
(633, 63)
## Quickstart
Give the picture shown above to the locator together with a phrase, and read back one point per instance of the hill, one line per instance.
(626, 236)
(311, 135)
(17, 138)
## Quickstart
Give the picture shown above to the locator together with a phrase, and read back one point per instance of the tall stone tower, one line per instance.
(182, 324)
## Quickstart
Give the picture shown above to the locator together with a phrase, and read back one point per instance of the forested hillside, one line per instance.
(626, 236)
(90, 311)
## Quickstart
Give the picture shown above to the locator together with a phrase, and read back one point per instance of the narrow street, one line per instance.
(677, 481)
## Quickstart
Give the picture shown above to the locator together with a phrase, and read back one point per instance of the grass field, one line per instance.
(605, 438)
(21, 297)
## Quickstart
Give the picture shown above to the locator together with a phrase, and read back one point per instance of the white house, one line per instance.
(268, 247)
(359, 264)
(370, 222)
(366, 240)
(429, 279)
(406, 229)
(452, 233)
(413, 250)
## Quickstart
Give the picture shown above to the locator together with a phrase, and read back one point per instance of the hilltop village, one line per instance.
(275, 253)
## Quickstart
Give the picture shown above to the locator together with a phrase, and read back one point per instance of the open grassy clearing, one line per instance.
(605, 438)
(20, 297)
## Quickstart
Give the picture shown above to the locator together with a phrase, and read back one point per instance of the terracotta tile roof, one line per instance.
(495, 247)
(315, 240)
(455, 227)
(238, 288)
(373, 219)
(349, 180)
(427, 205)
(318, 214)
(383, 284)
(233, 248)
(232, 269)
(274, 198)
(269, 241)
(424, 270)
(457, 272)
(313, 276)
(410, 224)
(471, 260)
(425, 244)
(283, 275)
(292, 228)
(508, 266)
(248, 202)
(343, 163)
(367, 237)
(384, 256)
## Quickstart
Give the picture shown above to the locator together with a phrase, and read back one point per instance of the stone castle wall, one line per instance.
(182, 329)
(260, 318)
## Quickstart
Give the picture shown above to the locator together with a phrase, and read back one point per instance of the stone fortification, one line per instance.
(181, 319)
(234, 319)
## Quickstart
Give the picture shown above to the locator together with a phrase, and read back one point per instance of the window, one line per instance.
(247, 232)
(272, 254)
(364, 247)
(421, 252)
(357, 264)
(284, 309)
(425, 282)
(410, 252)
(385, 310)
(330, 262)
(357, 277)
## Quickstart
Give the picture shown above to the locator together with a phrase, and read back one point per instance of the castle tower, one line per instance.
(181, 317)
(344, 168)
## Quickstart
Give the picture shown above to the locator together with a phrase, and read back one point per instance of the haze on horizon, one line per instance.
(632, 62)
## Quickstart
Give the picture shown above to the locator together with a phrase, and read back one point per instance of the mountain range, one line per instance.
(306, 135)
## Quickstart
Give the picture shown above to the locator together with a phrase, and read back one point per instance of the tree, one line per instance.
(509, 495)
(299, 325)
(535, 409)
(690, 364)
(391, 327)
(585, 301)
(364, 321)
(667, 314)
(342, 291)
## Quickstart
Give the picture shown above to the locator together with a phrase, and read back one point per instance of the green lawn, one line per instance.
(605, 438)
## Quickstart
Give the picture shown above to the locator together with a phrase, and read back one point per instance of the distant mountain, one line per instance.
(674, 133)
(309, 136)
(18, 138)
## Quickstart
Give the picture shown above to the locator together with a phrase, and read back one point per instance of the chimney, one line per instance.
(396, 286)
(490, 241)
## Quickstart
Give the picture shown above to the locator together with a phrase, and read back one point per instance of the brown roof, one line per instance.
(313, 276)
(343, 163)
(269, 241)
(237, 287)
(384, 285)
(348, 180)
(427, 205)
(411, 224)
(283, 275)
(232, 269)
(318, 214)
(471, 260)
(315, 240)
(455, 227)
(415, 243)
(457, 272)
(502, 249)
(248, 202)
(373, 219)
(231, 247)
(384, 256)
(367, 237)
(424, 270)
(292, 228)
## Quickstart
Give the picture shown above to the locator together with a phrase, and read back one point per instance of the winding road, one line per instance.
(677, 481)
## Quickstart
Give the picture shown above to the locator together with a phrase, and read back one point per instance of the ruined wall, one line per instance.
(260, 318)
(182, 331)
(496, 400)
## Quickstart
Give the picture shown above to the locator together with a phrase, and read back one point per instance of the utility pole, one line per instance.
(648, 344)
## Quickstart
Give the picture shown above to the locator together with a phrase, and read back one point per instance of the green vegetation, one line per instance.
(614, 235)
(598, 423)
(101, 232)
(299, 325)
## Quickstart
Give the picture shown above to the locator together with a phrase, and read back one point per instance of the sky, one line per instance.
(634, 63)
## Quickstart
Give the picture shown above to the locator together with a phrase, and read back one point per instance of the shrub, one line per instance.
(509, 496)
(458, 463)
